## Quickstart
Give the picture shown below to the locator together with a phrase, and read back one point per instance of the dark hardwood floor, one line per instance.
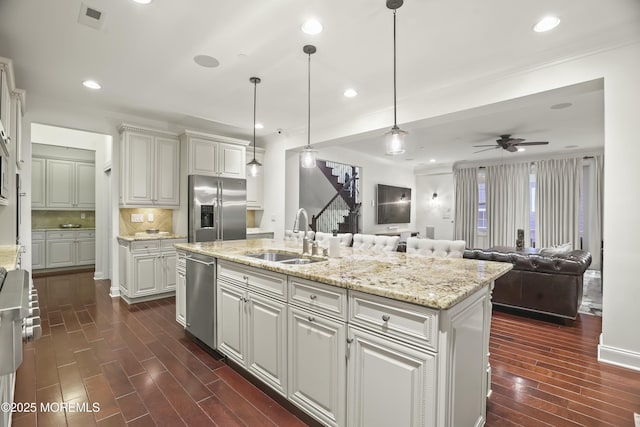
(137, 363)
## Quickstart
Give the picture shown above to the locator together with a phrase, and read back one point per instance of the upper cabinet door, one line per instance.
(85, 185)
(37, 183)
(231, 160)
(203, 157)
(138, 161)
(60, 184)
(167, 181)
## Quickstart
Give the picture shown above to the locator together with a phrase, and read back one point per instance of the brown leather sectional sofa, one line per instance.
(544, 284)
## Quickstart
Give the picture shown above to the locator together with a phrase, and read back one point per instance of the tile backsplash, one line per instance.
(251, 219)
(53, 219)
(162, 220)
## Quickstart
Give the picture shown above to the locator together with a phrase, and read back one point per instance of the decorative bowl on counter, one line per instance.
(69, 225)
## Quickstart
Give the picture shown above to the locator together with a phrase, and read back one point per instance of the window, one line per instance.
(482, 202)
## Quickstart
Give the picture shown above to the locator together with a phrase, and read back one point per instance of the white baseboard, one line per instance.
(615, 356)
(114, 292)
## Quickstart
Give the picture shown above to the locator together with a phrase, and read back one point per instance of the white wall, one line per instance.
(438, 212)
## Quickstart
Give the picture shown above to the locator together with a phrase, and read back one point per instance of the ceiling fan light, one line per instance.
(308, 157)
(394, 141)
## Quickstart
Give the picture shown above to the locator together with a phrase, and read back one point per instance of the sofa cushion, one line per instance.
(375, 243)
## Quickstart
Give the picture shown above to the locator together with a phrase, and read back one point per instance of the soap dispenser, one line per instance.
(334, 245)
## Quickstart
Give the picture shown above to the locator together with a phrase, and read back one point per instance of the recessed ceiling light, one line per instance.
(142, 1)
(92, 84)
(206, 61)
(561, 106)
(350, 93)
(521, 149)
(312, 27)
(259, 126)
(546, 24)
(432, 160)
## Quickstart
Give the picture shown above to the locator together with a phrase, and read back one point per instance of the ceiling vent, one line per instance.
(90, 17)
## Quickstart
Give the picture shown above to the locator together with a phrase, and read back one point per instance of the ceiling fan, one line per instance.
(510, 144)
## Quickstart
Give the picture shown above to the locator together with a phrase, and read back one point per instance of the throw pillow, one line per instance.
(565, 248)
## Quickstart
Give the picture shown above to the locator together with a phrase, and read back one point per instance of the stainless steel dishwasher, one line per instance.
(201, 298)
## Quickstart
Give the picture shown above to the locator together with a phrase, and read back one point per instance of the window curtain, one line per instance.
(558, 187)
(508, 202)
(594, 205)
(466, 205)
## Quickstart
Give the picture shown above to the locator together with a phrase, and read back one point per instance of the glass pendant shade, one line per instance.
(394, 141)
(254, 165)
(308, 158)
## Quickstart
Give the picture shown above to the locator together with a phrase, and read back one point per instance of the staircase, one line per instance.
(342, 212)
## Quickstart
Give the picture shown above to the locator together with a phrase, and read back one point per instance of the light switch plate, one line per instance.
(150, 217)
(83, 215)
(137, 217)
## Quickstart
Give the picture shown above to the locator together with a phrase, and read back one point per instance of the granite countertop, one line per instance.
(147, 236)
(9, 256)
(439, 283)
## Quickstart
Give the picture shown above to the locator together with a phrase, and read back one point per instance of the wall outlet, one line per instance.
(150, 217)
(137, 217)
(83, 215)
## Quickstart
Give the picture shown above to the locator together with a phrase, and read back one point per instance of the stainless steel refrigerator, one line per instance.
(217, 208)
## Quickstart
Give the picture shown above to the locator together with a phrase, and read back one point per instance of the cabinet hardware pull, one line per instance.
(349, 340)
(313, 296)
(386, 317)
(311, 318)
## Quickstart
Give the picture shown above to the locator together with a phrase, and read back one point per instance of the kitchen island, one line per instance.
(365, 339)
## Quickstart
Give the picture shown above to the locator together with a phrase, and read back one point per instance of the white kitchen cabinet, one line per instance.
(148, 268)
(150, 167)
(214, 155)
(17, 102)
(38, 250)
(62, 184)
(181, 288)
(67, 248)
(38, 183)
(252, 322)
(317, 366)
(390, 382)
(255, 184)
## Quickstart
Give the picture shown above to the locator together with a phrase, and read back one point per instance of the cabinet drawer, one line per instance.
(325, 299)
(86, 234)
(273, 284)
(37, 235)
(60, 234)
(407, 322)
(168, 243)
(145, 245)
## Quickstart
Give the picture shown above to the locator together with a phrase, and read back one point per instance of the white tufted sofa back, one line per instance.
(297, 237)
(376, 243)
(323, 239)
(436, 248)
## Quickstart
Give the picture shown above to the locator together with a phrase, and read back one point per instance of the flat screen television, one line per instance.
(394, 204)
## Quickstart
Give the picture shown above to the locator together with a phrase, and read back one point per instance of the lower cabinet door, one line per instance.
(37, 254)
(267, 341)
(60, 253)
(231, 317)
(169, 269)
(181, 301)
(86, 251)
(146, 275)
(317, 366)
(390, 384)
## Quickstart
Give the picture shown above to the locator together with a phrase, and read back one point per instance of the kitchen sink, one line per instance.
(284, 258)
(274, 256)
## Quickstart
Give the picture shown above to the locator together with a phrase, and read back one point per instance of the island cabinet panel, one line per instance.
(317, 365)
(390, 383)
(252, 321)
(181, 288)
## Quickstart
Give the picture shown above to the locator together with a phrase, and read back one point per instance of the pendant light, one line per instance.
(394, 139)
(254, 165)
(308, 155)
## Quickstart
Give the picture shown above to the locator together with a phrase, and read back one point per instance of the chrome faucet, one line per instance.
(305, 239)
